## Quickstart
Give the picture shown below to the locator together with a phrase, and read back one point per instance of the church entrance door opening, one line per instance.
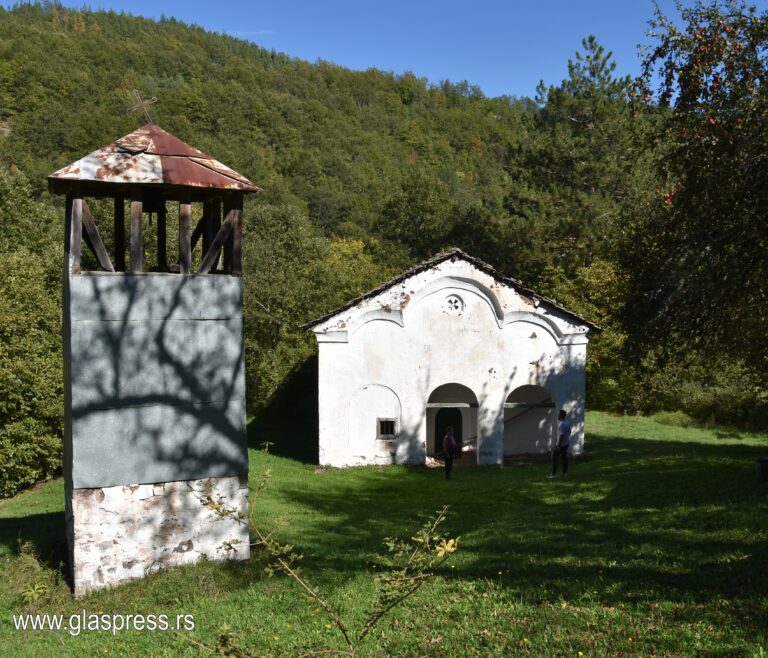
(444, 418)
(452, 405)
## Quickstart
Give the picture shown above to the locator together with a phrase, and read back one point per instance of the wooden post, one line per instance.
(227, 249)
(215, 227)
(74, 231)
(119, 234)
(136, 243)
(162, 257)
(237, 237)
(185, 239)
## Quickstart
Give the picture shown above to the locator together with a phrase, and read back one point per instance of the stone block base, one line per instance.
(120, 533)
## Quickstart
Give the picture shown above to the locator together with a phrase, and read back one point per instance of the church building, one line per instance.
(450, 342)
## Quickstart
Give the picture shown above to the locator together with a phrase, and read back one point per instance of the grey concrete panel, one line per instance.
(161, 443)
(123, 297)
(120, 364)
(156, 370)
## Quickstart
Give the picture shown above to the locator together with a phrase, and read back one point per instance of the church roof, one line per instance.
(454, 254)
(152, 156)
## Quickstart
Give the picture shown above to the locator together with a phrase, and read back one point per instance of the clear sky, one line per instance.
(505, 47)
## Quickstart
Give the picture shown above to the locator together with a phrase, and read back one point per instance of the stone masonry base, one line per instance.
(124, 532)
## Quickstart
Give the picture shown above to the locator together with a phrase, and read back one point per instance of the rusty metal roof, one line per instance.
(152, 156)
(453, 254)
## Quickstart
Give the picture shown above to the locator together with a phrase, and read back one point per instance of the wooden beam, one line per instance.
(162, 257)
(451, 405)
(74, 232)
(212, 256)
(237, 237)
(199, 231)
(529, 405)
(93, 239)
(185, 243)
(136, 242)
(119, 234)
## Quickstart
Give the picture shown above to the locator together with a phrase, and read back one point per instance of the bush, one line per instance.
(28, 452)
(31, 382)
(712, 391)
(674, 418)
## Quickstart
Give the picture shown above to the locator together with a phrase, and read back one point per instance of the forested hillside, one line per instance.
(601, 192)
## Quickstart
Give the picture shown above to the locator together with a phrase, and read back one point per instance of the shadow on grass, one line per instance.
(45, 531)
(637, 520)
(290, 421)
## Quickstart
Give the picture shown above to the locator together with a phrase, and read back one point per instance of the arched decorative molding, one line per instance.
(354, 409)
(374, 316)
(466, 284)
(389, 388)
(546, 323)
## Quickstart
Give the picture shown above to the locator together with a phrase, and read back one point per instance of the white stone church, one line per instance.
(449, 342)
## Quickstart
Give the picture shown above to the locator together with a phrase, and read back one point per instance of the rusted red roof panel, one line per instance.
(150, 155)
(185, 171)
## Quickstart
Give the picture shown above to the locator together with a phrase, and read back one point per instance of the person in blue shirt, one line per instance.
(562, 444)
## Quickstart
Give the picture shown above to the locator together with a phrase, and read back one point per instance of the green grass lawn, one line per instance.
(657, 545)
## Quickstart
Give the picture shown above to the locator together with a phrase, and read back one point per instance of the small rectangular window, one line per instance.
(385, 428)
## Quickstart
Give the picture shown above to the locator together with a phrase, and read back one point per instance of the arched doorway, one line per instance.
(529, 415)
(454, 405)
(445, 418)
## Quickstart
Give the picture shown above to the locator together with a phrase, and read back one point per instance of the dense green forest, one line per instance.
(641, 204)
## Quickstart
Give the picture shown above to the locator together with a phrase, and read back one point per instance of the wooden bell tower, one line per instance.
(153, 360)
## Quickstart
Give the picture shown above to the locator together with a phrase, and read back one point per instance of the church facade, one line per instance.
(449, 342)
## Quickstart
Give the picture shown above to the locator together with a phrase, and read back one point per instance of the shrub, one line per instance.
(711, 390)
(31, 382)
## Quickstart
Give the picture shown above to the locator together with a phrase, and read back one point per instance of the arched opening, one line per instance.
(445, 418)
(374, 424)
(454, 405)
(529, 415)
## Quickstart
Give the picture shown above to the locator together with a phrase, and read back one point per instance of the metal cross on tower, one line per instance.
(142, 104)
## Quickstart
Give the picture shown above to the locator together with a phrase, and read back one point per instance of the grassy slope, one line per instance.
(655, 546)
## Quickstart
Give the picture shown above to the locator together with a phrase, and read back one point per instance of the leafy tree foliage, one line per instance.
(641, 207)
(31, 380)
(293, 274)
(574, 179)
(700, 249)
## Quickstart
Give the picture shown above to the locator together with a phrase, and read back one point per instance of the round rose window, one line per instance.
(453, 305)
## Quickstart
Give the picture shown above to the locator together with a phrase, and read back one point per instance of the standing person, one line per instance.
(561, 446)
(449, 448)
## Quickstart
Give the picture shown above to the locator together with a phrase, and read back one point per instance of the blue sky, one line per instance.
(504, 47)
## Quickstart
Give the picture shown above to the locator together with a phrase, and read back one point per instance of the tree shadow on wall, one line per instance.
(290, 421)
